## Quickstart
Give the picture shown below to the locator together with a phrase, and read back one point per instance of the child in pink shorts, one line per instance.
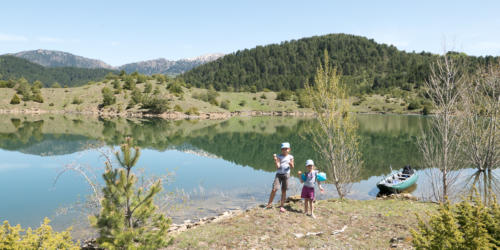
(308, 189)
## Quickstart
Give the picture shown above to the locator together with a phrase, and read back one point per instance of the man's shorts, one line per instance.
(281, 180)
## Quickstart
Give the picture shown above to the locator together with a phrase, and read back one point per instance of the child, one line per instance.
(308, 189)
(283, 162)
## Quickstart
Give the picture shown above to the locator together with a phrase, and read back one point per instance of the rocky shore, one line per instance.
(166, 115)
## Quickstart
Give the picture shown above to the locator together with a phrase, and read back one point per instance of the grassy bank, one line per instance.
(88, 98)
(367, 225)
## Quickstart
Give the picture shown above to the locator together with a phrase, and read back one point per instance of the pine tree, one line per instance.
(128, 218)
(15, 100)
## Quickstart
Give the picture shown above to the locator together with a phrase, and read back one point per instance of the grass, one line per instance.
(89, 98)
(370, 225)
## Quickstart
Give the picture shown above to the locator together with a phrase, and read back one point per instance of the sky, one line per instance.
(120, 32)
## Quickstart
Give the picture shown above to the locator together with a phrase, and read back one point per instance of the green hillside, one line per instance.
(366, 65)
(12, 67)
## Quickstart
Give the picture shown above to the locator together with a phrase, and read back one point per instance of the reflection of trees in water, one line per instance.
(386, 140)
(486, 183)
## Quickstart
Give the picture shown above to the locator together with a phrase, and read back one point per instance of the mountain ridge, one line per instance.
(55, 58)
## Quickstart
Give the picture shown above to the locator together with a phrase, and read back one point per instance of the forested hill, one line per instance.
(366, 65)
(12, 67)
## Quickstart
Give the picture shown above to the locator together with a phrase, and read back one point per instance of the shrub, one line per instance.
(148, 87)
(225, 104)
(284, 95)
(128, 218)
(107, 97)
(414, 105)
(37, 98)
(155, 104)
(175, 88)
(43, 237)
(192, 111)
(129, 83)
(303, 100)
(253, 89)
(263, 96)
(136, 97)
(426, 110)
(76, 101)
(3, 84)
(242, 103)
(177, 108)
(469, 224)
(51, 104)
(15, 100)
(116, 84)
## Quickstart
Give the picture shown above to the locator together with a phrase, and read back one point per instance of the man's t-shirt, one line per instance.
(284, 164)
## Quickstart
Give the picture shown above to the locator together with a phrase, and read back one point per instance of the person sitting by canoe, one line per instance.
(309, 179)
(283, 162)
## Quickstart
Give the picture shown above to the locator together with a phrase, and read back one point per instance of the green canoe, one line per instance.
(397, 182)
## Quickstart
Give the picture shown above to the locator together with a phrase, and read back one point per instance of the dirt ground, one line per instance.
(340, 224)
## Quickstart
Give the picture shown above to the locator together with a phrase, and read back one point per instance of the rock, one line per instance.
(294, 198)
(298, 235)
(265, 237)
(314, 233)
(339, 231)
(394, 245)
(187, 221)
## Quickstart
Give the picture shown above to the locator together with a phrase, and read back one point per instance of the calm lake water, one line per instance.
(214, 165)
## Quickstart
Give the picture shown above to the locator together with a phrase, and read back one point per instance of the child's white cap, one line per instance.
(285, 145)
(309, 163)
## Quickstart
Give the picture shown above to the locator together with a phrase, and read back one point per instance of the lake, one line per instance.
(213, 165)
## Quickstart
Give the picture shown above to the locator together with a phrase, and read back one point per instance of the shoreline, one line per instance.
(180, 115)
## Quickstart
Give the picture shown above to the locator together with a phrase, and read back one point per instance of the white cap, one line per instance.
(285, 145)
(309, 162)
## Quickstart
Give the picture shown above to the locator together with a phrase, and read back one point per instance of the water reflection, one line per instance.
(386, 140)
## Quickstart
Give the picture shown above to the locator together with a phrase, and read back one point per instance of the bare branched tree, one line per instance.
(482, 121)
(441, 144)
(335, 137)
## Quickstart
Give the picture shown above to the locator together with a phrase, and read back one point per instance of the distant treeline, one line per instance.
(366, 65)
(12, 67)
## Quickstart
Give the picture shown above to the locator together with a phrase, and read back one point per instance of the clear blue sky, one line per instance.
(119, 32)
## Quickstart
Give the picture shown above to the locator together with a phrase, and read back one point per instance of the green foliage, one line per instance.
(209, 96)
(242, 103)
(141, 78)
(192, 111)
(155, 104)
(108, 98)
(365, 65)
(426, 110)
(77, 100)
(175, 87)
(414, 104)
(12, 67)
(225, 104)
(129, 82)
(23, 87)
(469, 224)
(128, 218)
(148, 87)
(284, 95)
(116, 84)
(177, 108)
(15, 99)
(3, 84)
(136, 97)
(37, 97)
(303, 99)
(55, 85)
(43, 237)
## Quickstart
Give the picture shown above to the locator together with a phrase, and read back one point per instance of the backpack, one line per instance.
(408, 170)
